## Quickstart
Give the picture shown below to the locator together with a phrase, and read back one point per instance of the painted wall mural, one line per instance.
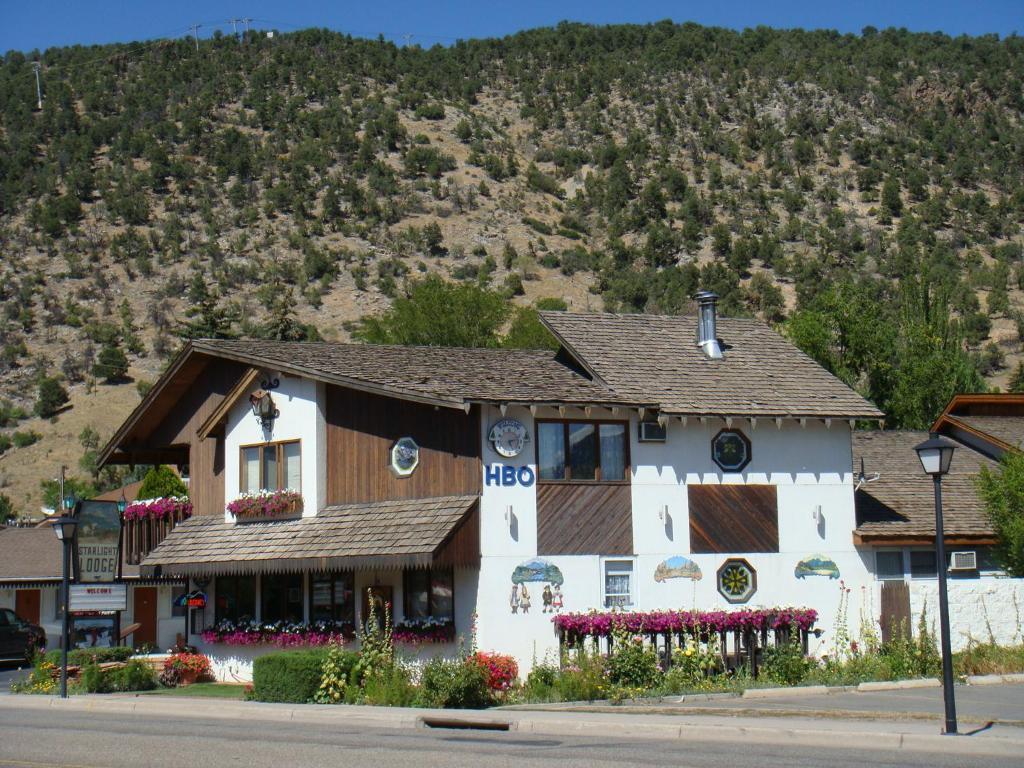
(816, 565)
(537, 571)
(677, 567)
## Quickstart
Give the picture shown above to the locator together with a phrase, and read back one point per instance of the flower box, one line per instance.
(594, 624)
(418, 631)
(174, 508)
(267, 505)
(279, 633)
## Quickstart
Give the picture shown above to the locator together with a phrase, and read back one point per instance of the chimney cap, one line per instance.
(705, 296)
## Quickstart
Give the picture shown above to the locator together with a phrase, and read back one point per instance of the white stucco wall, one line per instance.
(810, 465)
(979, 609)
(301, 418)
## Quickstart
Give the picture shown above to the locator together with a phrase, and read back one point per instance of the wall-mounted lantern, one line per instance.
(263, 407)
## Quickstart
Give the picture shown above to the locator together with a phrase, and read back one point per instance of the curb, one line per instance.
(994, 679)
(654, 727)
(901, 685)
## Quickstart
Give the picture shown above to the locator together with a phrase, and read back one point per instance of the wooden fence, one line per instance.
(739, 649)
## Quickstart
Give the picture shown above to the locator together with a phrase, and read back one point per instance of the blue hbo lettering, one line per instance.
(502, 474)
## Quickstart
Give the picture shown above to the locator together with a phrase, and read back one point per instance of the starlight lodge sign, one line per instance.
(99, 542)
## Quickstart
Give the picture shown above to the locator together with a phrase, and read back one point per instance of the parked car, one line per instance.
(19, 639)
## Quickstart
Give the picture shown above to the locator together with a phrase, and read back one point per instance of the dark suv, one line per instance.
(19, 640)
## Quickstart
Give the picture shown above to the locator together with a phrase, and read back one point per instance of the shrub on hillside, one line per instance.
(288, 676)
(50, 397)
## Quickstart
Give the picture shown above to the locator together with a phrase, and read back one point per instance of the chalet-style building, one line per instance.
(647, 464)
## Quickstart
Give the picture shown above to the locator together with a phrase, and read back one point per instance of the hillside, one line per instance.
(864, 191)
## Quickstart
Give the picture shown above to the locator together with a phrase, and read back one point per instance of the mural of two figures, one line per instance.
(536, 572)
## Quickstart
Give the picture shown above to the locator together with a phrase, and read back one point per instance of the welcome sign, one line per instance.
(99, 541)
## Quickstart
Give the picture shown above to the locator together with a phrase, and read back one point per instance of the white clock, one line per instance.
(508, 437)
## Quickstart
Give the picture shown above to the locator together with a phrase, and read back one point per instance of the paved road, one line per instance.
(977, 703)
(83, 739)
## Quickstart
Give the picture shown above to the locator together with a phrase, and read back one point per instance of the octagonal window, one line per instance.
(730, 450)
(737, 580)
(405, 456)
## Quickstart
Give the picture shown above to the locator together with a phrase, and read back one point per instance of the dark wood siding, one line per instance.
(462, 550)
(733, 518)
(894, 617)
(179, 427)
(361, 429)
(584, 519)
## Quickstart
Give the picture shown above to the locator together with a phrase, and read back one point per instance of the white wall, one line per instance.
(976, 606)
(810, 465)
(301, 418)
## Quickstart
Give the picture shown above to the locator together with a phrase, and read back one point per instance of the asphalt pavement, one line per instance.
(38, 738)
(975, 704)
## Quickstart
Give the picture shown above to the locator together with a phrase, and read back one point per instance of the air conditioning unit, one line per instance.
(963, 561)
(652, 432)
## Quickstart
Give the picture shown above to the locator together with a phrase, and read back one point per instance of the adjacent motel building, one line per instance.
(649, 463)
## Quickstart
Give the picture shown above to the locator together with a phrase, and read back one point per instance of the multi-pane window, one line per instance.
(582, 450)
(332, 597)
(271, 467)
(428, 592)
(922, 564)
(235, 598)
(618, 583)
(889, 564)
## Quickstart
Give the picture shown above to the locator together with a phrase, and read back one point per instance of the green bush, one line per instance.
(454, 685)
(582, 678)
(78, 657)
(391, 687)
(540, 683)
(335, 675)
(25, 439)
(287, 676)
(632, 664)
(785, 663)
(92, 679)
(161, 482)
(136, 675)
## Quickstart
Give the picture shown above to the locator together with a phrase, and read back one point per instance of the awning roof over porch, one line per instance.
(388, 534)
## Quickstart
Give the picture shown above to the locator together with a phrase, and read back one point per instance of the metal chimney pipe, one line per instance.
(707, 330)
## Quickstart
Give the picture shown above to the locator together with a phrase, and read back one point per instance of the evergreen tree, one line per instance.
(50, 397)
(161, 482)
(111, 364)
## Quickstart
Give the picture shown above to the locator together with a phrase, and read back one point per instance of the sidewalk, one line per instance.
(887, 735)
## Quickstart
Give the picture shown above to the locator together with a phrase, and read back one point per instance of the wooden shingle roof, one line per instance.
(387, 534)
(900, 504)
(445, 375)
(655, 357)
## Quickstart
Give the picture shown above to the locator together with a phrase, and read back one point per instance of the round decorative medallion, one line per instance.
(508, 437)
(405, 456)
(737, 580)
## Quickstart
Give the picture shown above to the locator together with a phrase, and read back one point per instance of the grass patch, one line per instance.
(204, 691)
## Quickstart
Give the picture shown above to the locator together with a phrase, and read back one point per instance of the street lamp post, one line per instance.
(64, 527)
(936, 454)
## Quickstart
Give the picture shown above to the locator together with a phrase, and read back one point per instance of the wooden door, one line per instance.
(381, 596)
(144, 612)
(26, 605)
(895, 614)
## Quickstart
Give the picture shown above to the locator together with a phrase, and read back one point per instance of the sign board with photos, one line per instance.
(98, 542)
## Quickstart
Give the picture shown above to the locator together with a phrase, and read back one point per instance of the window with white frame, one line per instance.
(889, 564)
(618, 583)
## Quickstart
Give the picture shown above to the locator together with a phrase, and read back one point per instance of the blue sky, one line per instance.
(26, 25)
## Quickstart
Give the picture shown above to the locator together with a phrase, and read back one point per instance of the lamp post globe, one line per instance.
(122, 504)
(936, 455)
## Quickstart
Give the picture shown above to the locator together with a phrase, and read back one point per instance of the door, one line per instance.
(144, 613)
(26, 605)
(8, 637)
(381, 596)
(894, 617)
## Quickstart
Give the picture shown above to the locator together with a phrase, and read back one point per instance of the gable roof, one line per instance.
(444, 376)
(386, 534)
(29, 554)
(656, 357)
(447, 376)
(992, 423)
(900, 504)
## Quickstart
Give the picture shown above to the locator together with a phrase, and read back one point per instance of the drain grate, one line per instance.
(464, 724)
